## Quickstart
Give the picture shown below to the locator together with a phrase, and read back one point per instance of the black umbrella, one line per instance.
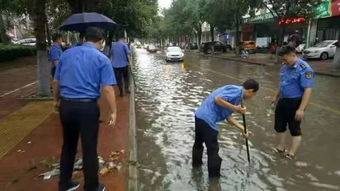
(80, 21)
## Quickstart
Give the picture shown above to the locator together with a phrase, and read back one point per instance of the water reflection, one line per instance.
(167, 95)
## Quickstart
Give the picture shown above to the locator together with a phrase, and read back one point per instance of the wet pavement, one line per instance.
(167, 95)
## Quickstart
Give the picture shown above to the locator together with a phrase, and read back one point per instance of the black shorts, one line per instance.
(285, 114)
(53, 69)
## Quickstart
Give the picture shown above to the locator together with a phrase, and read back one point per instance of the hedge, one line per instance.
(11, 51)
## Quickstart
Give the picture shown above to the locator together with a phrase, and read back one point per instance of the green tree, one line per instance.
(195, 9)
(8, 8)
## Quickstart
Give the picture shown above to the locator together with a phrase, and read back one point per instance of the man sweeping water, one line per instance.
(218, 106)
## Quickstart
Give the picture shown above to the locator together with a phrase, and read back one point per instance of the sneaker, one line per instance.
(70, 187)
(101, 187)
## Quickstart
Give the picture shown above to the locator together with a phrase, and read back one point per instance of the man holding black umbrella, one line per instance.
(81, 73)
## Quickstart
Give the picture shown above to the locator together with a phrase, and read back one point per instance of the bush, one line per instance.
(12, 51)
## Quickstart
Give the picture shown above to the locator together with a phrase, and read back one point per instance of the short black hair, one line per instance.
(94, 34)
(251, 84)
(56, 36)
(284, 50)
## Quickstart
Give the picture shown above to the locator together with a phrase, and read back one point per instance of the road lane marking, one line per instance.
(13, 91)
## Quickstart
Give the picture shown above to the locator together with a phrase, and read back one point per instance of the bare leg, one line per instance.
(296, 142)
(281, 141)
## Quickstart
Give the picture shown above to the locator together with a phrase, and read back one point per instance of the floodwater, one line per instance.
(167, 95)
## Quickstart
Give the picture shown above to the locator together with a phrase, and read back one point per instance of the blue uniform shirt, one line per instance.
(294, 79)
(119, 52)
(211, 113)
(55, 52)
(82, 70)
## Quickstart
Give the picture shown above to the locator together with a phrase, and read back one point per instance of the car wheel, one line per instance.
(209, 51)
(324, 56)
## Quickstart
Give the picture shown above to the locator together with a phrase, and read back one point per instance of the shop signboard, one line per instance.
(335, 8)
(323, 11)
(267, 17)
(329, 8)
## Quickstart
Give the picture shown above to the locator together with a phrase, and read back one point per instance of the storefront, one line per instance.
(329, 21)
(264, 27)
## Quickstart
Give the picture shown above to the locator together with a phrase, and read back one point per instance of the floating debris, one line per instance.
(48, 175)
(21, 151)
(113, 163)
(104, 171)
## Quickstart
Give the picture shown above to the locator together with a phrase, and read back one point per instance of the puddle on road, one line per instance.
(167, 95)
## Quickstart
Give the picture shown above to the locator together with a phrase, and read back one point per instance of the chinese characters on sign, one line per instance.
(292, 20)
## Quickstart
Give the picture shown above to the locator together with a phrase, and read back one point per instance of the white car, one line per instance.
(174, 53)
(28, 41)
(324, 50)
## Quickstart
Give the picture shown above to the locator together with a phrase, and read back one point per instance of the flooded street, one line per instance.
(167, 95)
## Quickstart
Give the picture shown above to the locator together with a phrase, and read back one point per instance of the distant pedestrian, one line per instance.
(273, 49)
(296, 82)
(83, 71)
(120, 56)
(55, 52)
(218, 106)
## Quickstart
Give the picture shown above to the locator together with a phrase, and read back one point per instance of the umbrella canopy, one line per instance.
(80, 21)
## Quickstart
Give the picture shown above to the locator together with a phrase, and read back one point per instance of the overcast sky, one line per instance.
(164, 3)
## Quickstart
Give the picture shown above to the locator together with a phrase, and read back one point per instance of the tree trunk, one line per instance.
(237, 35)
(44, 68)
(336, 60)
(48, 36)
(2, 29)
(282, 34)
(199, 36)
(212, 31)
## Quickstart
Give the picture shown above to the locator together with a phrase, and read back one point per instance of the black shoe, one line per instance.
(101, 187)
(70, 187)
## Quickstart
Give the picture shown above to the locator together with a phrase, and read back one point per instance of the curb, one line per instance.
(132, 170)
(263, 64)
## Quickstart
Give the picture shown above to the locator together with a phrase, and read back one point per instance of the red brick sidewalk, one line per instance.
(20, 170)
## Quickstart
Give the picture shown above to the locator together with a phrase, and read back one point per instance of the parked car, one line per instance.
(249, 46)
(151, 48)
(208, 47)
(174, 53)
(14, 41)
(323, 50)
(28, 41)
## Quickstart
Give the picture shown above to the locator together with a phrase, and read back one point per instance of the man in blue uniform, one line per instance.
(120, 54)
(55, 52)
(296, 82)
(81, 74)
(218, 106)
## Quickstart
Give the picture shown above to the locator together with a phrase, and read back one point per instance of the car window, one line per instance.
(174, 49)
(323, 44)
